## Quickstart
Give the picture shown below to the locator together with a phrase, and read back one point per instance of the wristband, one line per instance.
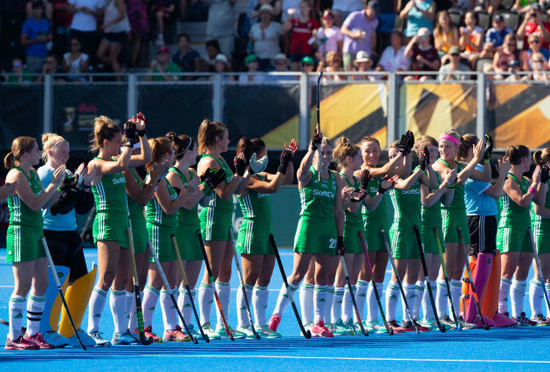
(141, 133)
(532, 190)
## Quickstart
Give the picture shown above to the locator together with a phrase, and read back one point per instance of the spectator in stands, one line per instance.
(220, 25)
(302, 28)
(251, 62)
(505, 55)
(35, 34)
(423, 55)
(453, 69)
(534, 48)
(264, 38)
(212, 51)
(290, 9)
(84, 25)
(139, 26)
(533, 24)
(18, 74)
(523, 6)
(75, 62)
(332, 63)
(539, 68)
(163, 64)
(186, 58)
(308, 66)
(359, 31)
(61, 23)
(221, 65)
(328, 37)
(363, 63)
(255, 9)
(50, 67)
(115, 31)
(48, 9)
(280, 62)
(471, 38)
(463, 5)
(419, 13)
(513, 69)
(496, 34)
(445, 35)
(163, 9)
(393, 58)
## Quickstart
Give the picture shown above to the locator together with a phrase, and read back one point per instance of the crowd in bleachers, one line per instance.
(446, 38)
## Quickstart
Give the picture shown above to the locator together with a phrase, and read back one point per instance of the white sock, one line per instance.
(347, 305)
(372, 306)
(224, 293)
(16, 309)
(427, 309)
(184, 304)
(330, 301)
(547, 288)
(361, 296)
(35, 308)
(117, 301)
(306, 302)
(169, 313)
(456, 292)
(337, 304)
(95, 308)
(441, 298)
(283, 300)
(415, 309)
(150, 298)
(242, 314)
(536, 294)
(392, 295)
(206, 299)
(131, 310)
(503, 295)
(410, 295)
(260, 297)
(320, 294)
(517, 294)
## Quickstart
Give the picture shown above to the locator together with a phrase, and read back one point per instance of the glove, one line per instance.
(357, 196)
(240, 164)
(68, 183)
(284, 160)
(257, 166)
(316, 141)
(340, 247)
(487, 151)
(426, 160)
(406, 143)
(212, 178)
(544, 174)
(365, 178)
(66, 202)
(140, 116)
(130, 133)
(392, 181)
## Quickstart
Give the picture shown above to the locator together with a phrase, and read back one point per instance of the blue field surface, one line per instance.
(515, 349)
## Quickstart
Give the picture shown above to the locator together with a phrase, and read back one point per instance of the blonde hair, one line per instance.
(344, 149)
(104, 129)
(208, 131)
(49, 142)
(19, 146)
(542, 157)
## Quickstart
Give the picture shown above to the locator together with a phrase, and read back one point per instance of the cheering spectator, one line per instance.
(496, 34)
(393, 58)
(445, 34)
(301, 37)
(220, 25)
(251, 62)
(18, 73)
(50, 67)
(75, 62)
(162, 64)
(163, 9)
(533, 24)
(290, 9)
(139, 26)
(451, 71)
(505, 55)
(523, 6)
(36, 33)
(264, 38)
(423, 55)
(328, 37)
(471, 38)
(534, 48)
(115, 30)
(84, 24)
(359, 30)
(363, 63)
(186, 58)
(419, 14)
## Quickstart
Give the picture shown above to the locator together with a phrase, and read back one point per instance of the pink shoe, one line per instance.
(20, 344)
(502, 320)
(38, 341)
(319, 330)
(488, 321)
(274, 322)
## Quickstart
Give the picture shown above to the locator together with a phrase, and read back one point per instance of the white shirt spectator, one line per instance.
(266, 42)
(392, 61)
(83, 21)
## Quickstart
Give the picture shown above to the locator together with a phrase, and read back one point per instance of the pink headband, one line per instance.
(449, 138)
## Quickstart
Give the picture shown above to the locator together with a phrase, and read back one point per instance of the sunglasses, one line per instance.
(539, 61)
(534, 42)
(328, 18)
(455, 55)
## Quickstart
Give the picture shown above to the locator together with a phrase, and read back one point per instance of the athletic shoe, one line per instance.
(378, 326)
(175, 335)
(38, 341)
(540, 319)
(86, 339)
(207, 328)
(447, 321)
(267, 332)
(340, 329)
(319, 330)
(465, 324)
(20, 344)
(274, 322)
(308, 326)
(236, 334)
(58, 341)
(120, 339)
(193, 332)
(99, 340)
(149, 334)
(350, 327)
(396, 327)
(432, 324)
(247, 330)
(523, 321)
(408, 326)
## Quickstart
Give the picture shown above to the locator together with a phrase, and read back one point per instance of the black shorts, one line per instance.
(483, 234)
(66, 250)
(115, 37)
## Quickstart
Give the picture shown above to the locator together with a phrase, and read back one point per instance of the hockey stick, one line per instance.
(211, 280)
(307, 334)
(346, 274)
(394, 268)
(186, 283)
(457, 324)
(319, 158)
(537, 259)
(373, 283)
(471, 280)
(427, 278)
(60, 289)
(241, 279)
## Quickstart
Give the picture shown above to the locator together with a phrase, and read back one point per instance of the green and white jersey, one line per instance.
(217, 202)
(134, 208)
(110, 194)
(20, 213)
(155, 214)
(186, 216)
(458, 198)
(511, 214)
(406, 204)
(380, 214)
(431, 216)
(317, 197)
(353, 218)
(256, 206)
(541, 223)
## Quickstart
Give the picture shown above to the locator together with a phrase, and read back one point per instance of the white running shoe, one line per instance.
(247, 330)
(99, 340)
(86, 339)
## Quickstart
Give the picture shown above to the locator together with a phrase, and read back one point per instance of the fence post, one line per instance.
(217, 102)
(132, 97)
(303, 130)
(48, 104)
(393, 108)
(481, 105)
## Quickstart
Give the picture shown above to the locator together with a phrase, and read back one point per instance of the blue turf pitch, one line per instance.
(498, 349)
